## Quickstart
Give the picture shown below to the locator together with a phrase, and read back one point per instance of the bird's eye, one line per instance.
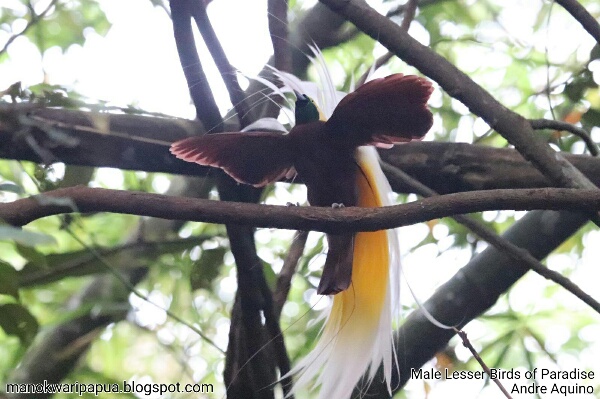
(302, 100)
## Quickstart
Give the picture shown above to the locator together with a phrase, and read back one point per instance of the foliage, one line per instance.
(190, 268)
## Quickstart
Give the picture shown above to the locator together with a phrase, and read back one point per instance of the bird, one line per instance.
(336, 160)
(383, 112)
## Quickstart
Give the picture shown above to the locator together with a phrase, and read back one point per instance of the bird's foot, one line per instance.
(337, 206)
(292, 204)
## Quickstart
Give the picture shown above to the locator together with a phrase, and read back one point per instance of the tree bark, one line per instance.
(138, 142)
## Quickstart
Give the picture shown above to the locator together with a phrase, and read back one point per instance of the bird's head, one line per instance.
(306, 110)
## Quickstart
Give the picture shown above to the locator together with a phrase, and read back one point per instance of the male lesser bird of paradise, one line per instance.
(335, 167)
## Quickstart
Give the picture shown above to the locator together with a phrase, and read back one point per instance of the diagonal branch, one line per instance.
(284, 281)
(509, 124)
(518, 254)
(278, 28)
(473, 290)
(228, 72)
(206, 107)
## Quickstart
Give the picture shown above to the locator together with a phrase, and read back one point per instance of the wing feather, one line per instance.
(256, 158)
(384, 112)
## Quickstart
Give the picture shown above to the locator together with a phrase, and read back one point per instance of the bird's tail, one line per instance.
(357, 336)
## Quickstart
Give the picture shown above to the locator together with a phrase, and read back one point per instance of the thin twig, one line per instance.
(560, 125)
(515, 252)
(271, 312)
(352, 32)
(409, 14)
(83, 263)
(467, 344)
(117, 274)
(586, 20)
(409, 10)
(284, 281)
(401, 8)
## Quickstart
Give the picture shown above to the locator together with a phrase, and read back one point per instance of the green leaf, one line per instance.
(16, 320)
(83, 262)
(65, 25)
(270, 275)
(34, 257)
(591, 117)
(576, 89)
(207, 268)
(9, 281)
(25, 237)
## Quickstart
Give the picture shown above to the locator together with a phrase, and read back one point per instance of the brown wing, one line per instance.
(255, 158)
(384, 112)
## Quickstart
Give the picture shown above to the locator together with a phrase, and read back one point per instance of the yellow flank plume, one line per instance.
(357, 336)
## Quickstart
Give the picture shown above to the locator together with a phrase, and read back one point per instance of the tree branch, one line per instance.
(518, 254)
(140, 142)
(82, 262)
(509, 124)
(421, 3)
(560, 125)
(228, 72)
(278, 28)
(328, 220)
(284, 281)
(73, 337)
(206, 107)
(473, 290)
(410, 9)
(455, 167)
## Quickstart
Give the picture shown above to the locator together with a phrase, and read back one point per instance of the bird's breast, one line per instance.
(327, 169)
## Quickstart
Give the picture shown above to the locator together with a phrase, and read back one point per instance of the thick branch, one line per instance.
(253, 298)
(85, 199)
(455, 167)
(509, 124)
(139, 142)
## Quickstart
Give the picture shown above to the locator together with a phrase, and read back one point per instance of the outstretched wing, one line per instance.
(256, 158)
(384, 112)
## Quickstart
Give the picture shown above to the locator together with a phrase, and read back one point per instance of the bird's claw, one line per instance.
(292, 204)
(337, 206)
